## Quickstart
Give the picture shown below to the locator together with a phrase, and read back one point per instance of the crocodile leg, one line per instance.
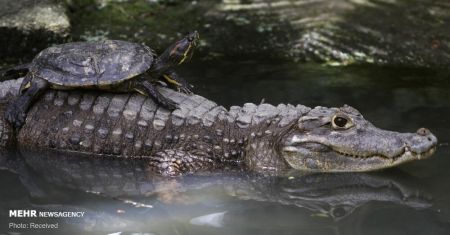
(146, 88)
(31, 88)
(177, 162)
(176, 82)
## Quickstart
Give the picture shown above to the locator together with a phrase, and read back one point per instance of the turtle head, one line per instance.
(181, 50)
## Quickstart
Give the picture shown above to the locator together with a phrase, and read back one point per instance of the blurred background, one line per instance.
(338, 32)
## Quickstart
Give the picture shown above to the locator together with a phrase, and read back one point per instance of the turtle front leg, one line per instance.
(148, 89)
(176, 82)
(31, 89)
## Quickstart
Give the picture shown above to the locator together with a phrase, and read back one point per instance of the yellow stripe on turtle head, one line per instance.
(185, 55)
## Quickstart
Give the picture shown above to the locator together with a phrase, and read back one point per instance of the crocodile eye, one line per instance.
(341, 122)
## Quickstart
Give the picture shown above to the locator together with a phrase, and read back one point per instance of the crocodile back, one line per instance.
(112, 124)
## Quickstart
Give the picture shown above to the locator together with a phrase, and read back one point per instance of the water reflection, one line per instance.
(119, 195)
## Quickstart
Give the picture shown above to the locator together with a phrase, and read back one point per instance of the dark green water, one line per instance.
(411, 199)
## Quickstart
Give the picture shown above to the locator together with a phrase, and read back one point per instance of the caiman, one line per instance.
(203, 136)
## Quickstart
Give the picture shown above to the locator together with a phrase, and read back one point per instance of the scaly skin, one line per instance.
(202, 136)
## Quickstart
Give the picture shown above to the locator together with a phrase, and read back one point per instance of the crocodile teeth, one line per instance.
(357, 156)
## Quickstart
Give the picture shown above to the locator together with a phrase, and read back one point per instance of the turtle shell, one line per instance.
(80, 64)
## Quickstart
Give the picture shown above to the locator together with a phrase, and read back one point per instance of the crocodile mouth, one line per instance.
(328, 158)
(406, 152)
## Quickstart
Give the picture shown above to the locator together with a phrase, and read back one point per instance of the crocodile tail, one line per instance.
(6, 131)
(14, 72)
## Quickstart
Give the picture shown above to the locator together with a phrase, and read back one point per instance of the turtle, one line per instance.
(112, 65)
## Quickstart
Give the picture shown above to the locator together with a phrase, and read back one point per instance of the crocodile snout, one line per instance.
(423, 131)
(422, 141)
(430, 138)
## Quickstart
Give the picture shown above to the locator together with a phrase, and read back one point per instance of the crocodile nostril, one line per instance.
(423, 132)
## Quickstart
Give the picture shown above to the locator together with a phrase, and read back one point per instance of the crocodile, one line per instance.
(202, 136)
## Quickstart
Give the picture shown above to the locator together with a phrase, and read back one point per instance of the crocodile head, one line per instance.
(340, 139)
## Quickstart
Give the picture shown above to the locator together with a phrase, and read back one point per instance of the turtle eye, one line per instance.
(189, 37)
(341, 122)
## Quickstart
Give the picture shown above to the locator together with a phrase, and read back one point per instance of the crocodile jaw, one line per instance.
(328, 159)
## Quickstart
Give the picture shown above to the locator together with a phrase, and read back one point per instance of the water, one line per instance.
(120, 196)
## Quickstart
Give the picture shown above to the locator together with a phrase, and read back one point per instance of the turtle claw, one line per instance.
(185, 89)
(15, 115)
